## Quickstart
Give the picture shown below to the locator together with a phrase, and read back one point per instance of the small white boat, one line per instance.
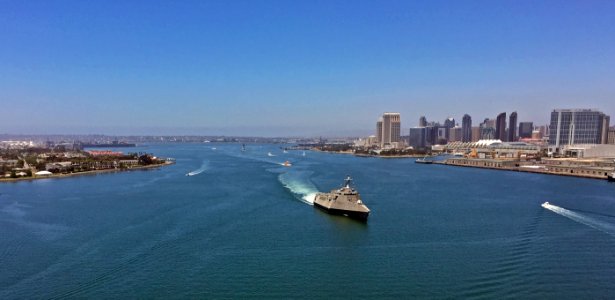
(303, 153)
(284, 151)
(287, 164)
(270, 154)
(545, 204)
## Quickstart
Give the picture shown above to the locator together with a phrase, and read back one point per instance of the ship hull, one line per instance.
(357, 215)
(611, 178)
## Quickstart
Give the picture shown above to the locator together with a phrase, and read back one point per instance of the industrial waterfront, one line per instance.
(243, 226)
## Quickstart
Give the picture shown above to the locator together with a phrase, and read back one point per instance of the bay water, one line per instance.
(242, 225)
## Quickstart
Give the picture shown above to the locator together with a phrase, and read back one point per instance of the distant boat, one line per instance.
(284, 151)
(213, 148)
(423, 161)
(611, 177)
(270, 154)
(287, 164)
(303, 153)
(243, 148)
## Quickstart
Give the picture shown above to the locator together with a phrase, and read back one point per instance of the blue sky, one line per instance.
(296, 67)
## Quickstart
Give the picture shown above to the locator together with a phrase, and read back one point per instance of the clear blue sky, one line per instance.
(296, 67)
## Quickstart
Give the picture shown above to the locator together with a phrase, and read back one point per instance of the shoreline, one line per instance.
(369, 155)
(93, 172)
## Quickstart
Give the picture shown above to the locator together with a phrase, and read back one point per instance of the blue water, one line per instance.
(243, 226)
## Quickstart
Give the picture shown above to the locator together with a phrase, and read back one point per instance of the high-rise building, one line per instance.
(500, 127)
(611, 136)
(466, 128)
(475, 134)
(576, 126)
(605, 130)
(390, 129)
(431, 135)
(441, 135)
(487, 130)
(417, 137)
(422, 121)
(525, 129)
(512, 127)
(544, 130)
(448, 124)
(379, 131)
(455, 134)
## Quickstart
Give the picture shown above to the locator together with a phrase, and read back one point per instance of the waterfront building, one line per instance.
(611, 136)
(576, 126)
(495, 149)
(589, 151)
(466, 128)
(525, 129)
(500, 127)
(389, 128)
(512, 127)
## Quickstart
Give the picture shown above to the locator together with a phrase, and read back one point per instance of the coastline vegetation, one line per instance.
(33, 163)
(372, 151)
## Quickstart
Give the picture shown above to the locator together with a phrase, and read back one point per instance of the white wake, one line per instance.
(299, 184)
(581, 218)
(200, 170)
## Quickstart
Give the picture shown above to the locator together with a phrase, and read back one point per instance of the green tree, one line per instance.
(145, 159)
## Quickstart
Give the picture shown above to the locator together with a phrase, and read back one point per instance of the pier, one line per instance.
(596, 169)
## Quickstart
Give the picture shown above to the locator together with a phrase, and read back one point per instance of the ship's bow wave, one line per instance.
(299, 183)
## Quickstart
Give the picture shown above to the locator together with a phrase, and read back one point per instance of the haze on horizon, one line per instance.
(282, 68)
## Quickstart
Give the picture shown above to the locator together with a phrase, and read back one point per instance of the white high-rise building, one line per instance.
(388, 129)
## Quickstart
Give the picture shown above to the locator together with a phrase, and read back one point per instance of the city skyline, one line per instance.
(296, 69)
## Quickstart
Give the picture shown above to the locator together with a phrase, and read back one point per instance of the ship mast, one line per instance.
(347, 181)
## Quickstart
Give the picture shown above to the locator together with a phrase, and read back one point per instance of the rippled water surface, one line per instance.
(242, 225)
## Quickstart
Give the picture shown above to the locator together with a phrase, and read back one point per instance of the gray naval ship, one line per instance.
(344, 201)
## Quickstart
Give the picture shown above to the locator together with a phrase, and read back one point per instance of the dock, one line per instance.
(594, 169)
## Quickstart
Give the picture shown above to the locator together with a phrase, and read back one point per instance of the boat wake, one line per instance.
(199, 170)
(299, 183)
(605, 227)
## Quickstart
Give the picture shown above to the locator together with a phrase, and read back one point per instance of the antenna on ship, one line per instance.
(347, 181)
